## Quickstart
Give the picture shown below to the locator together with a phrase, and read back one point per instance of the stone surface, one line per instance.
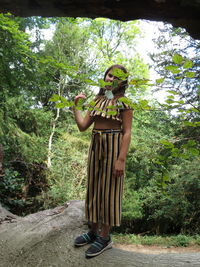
(183, 13)
(46, 239)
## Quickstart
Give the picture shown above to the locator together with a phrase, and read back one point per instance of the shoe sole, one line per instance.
(83, 244)
(96, 254)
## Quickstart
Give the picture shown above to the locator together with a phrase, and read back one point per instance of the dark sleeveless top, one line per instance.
(108, 108)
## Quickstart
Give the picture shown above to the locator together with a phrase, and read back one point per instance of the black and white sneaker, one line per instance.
(85, 239)
(98, 246)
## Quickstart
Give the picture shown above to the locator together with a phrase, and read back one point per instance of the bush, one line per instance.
(175, 210)
(67, 175)
(180, 240)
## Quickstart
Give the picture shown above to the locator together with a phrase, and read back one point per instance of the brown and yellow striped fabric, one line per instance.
(108, 108)
(104, 192)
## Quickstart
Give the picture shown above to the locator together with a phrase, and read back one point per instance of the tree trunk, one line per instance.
(51, 137)
(49, 154)
(46, 239)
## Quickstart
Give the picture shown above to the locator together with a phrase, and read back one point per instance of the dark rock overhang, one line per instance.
(180, 13)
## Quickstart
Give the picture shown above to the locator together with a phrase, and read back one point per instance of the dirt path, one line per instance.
(157, 249)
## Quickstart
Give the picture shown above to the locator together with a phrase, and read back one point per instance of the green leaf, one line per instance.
(90, 82)
(144, 104)
(188, 64)
(125, 100)
(161, 157)
(177, 59)
(163, 184)
(139, 82)
(92, 103)
(159, 81)
(175, 152)
(102, 83)
(100, 19)
(193, 151)
(78, 107)
(190, 74)
(179, 77)
(115, 83)
(133, 82)
(158, 162)
(170, 96)
(195, 110)
(54, 98)
(176, 71)
(169, 101)
(189, 123)
(166, 178)
(167, 144)
(173, 69)
(173, 92)
(80, 102)
(120, 74)
(111, 107)
(198, 90)
(191, 143)
(180, 102)
(181, 110)
(183, 156)
(60, 105)
(111, 112)
(63, 99)
(69, 103)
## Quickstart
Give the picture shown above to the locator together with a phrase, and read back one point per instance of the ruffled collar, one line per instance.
(108, 108)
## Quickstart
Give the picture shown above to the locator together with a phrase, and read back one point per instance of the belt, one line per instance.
(99, 132)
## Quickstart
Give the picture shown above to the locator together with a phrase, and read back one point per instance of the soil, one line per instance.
(157, 249)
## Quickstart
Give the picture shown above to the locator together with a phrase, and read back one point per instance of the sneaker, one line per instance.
(85, 239)
(99, 245)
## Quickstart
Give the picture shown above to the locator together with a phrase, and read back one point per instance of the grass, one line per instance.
(167, 241)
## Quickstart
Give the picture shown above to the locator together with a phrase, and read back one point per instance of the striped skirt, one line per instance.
(104, 192)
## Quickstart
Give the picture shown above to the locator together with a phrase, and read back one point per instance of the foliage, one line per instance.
(39, 80)
(132, 208)
(69, 49)
(167, 241)
(23, 126)
(112, 39)
(16, 60)
(179, 67)
(68, 172)
(176, 209)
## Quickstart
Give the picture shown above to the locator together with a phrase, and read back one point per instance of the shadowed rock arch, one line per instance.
(182, 13)
(46, 238)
